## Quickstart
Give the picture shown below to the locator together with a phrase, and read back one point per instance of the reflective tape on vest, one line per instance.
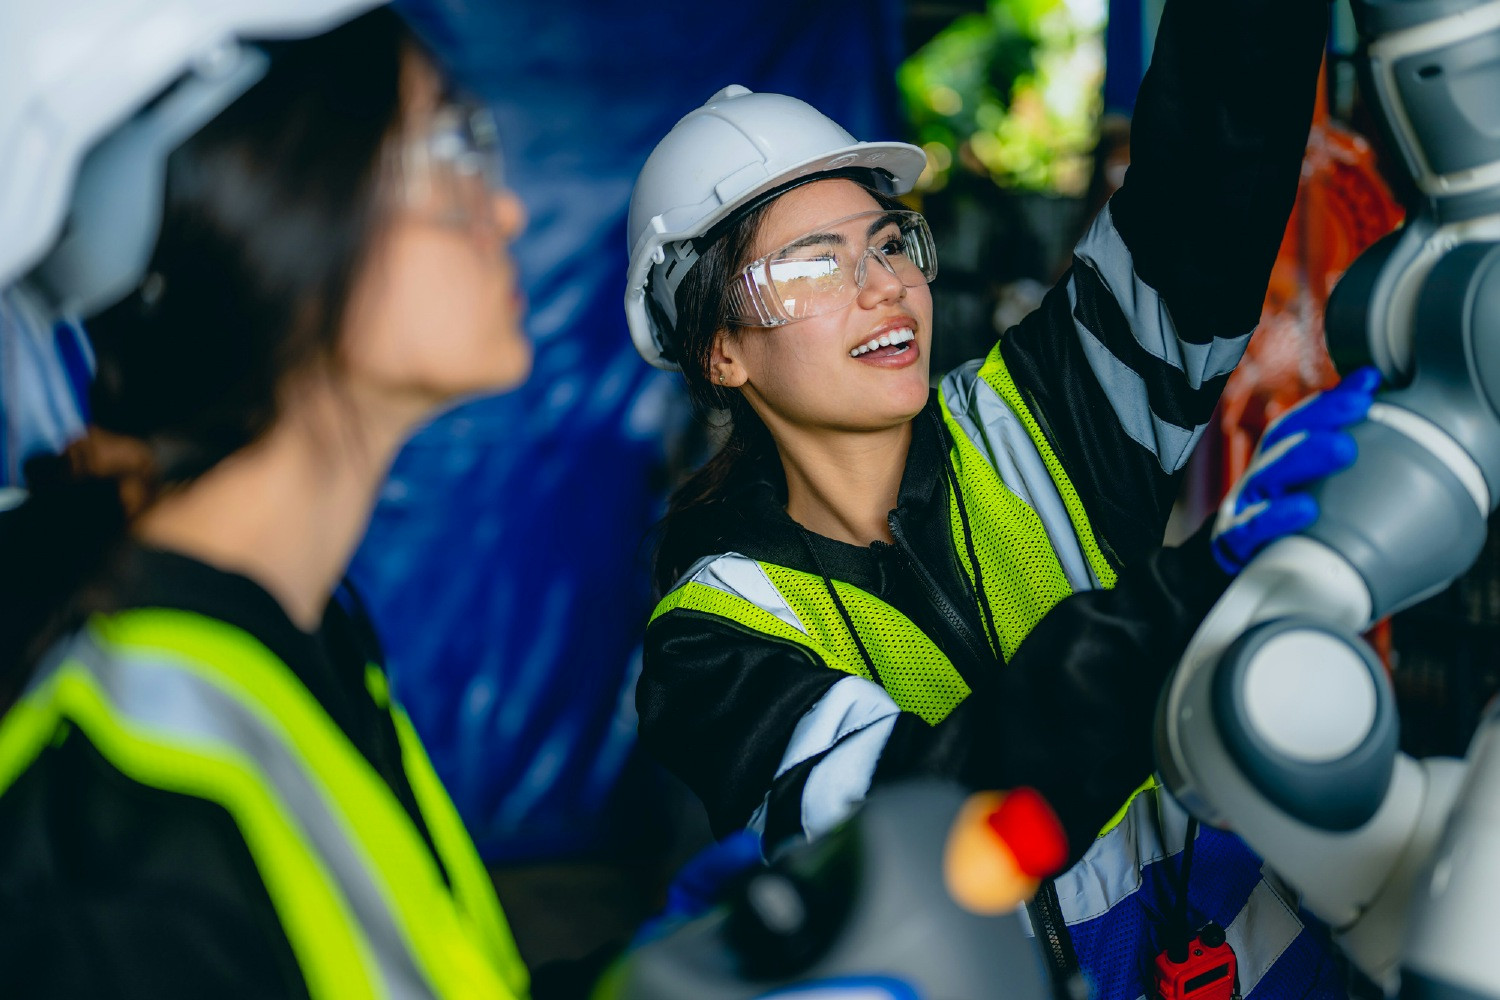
(190, 705)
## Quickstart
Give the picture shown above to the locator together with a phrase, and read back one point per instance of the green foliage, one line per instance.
(1014, 92)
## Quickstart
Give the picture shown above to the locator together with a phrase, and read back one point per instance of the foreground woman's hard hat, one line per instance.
(82, 177)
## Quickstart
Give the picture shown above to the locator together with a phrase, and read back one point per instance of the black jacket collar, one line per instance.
(755, 523)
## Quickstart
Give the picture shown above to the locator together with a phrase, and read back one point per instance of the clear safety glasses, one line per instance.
(823, 271)
(451, 174)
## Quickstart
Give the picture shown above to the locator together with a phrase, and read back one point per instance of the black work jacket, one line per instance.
(1121, 367)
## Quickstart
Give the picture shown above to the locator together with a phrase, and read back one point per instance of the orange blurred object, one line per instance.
(1000, 847)
(1343, 205)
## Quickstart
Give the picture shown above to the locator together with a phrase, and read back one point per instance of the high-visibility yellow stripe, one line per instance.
(994, 372)
(470, 878)
(456, 848)
(917, 675)
(333, 955)
(1023, 577)
(370, 815)
(694, 596)
(25, 731)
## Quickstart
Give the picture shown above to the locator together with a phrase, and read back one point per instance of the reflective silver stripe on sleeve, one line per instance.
(849, 726)
(170, 701)
(1172, 445)
(758, 819)
(1003, 440)
(742, 577)
(841, 780)
(1152, 328)
(1149, 319)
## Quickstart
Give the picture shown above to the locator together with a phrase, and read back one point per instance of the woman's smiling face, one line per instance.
(821, 373)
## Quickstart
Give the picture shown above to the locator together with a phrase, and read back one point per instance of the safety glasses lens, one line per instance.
(452, 173)
(824, 270)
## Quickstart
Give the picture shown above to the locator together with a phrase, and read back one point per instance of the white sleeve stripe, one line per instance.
(850, 705)
(839, 781)
(848, 727)
(1149, 319)
(1263, 929)
(1172, 445)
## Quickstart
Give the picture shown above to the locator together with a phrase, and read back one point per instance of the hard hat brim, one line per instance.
(901, 161)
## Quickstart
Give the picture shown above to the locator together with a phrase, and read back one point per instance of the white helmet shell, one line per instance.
(73, 72)
(720, 157)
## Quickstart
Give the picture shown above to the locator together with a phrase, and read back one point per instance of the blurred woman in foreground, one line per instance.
(205, 788)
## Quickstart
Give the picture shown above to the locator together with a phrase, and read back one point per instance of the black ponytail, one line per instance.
(55, 540)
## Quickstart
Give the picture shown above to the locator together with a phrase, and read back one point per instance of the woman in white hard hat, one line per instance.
(871, 580)
(293, 252)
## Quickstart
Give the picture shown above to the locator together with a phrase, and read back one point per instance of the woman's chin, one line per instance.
(512, 362)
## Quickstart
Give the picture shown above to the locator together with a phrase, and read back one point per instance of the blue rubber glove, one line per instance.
(1306, 444)
(704, 881)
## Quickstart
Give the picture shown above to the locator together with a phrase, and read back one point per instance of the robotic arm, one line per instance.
(1280, 722)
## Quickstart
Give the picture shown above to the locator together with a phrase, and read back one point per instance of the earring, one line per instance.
(721, 378)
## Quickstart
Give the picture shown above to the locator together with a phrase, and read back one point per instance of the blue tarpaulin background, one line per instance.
(505, 567)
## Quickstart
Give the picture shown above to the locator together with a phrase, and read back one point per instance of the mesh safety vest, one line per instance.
(1030, 534)
(1035, 546)
(187, 704)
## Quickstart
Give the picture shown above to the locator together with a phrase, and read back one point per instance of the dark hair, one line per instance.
(694, 520)
(269, 211)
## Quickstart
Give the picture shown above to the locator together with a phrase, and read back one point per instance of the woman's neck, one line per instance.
(287, 511)
(845, 485)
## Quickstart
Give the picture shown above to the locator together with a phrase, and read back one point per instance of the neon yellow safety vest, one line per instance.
(1018, 551)
(1031, 536)
(194, 706)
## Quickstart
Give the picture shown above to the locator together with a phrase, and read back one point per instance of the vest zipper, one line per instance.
(1051, 930)
(980, 653)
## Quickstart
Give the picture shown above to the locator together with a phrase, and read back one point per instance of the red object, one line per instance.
(1206, 974)
(1031, 830)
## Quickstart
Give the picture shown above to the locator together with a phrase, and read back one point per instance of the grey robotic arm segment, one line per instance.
(1450, 940)
(1432, 67)
(1430, 63)
(1226, 743)
(1349, 829)
(1400, 849)
(1406, 516)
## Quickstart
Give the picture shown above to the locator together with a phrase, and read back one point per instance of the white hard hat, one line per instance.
(74, 77)
(719, 158)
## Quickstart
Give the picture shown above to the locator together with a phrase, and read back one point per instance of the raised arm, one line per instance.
(1125, 360)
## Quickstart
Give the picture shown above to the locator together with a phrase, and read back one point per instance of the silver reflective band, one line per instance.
(822, 271)
(170, 701)
(998, 434)
(742, 577)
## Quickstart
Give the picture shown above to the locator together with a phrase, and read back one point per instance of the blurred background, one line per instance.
(506, 565)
